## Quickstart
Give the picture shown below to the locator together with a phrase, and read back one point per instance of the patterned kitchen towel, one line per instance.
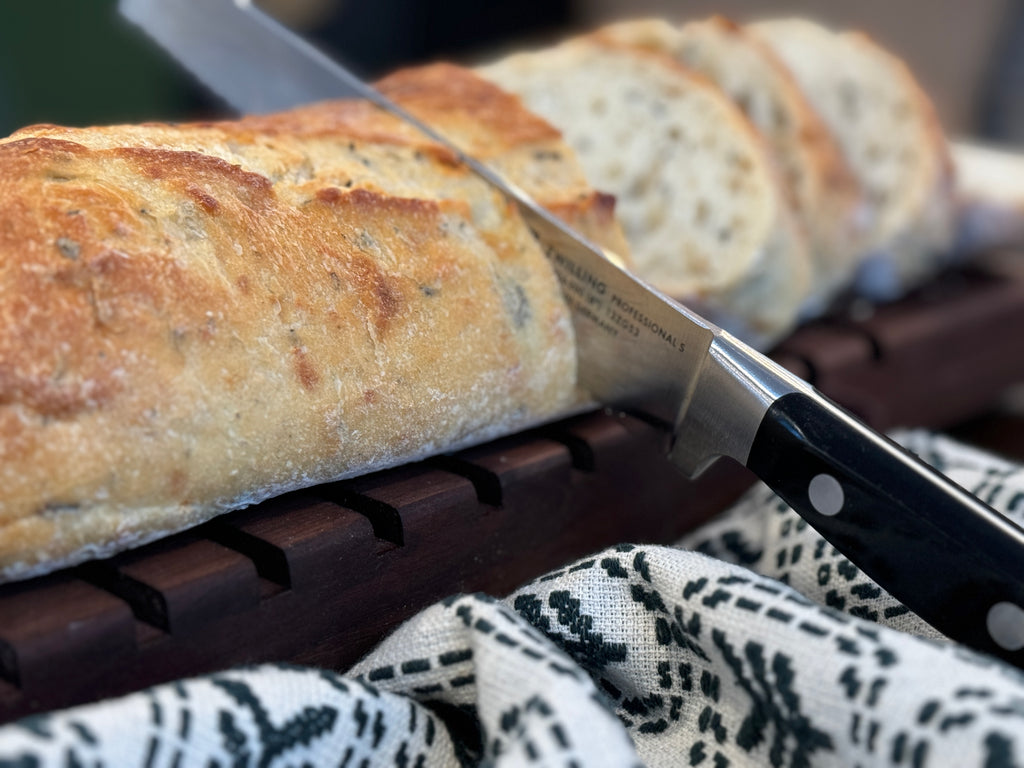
(639, 655)
(762, 533)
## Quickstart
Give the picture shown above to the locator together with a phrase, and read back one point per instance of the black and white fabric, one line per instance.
(762, 533)
(753, 644)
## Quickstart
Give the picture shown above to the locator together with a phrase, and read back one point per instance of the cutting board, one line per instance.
(320, 576)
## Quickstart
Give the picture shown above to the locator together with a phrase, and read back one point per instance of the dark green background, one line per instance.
(75, 62)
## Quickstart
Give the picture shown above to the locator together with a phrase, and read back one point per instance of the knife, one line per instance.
(954, 561)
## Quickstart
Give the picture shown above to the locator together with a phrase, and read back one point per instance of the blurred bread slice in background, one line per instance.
(825, 196)
(703, 209)
(890, 135)
(990, 193)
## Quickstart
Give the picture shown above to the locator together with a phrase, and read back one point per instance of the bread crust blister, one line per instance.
(198, 317)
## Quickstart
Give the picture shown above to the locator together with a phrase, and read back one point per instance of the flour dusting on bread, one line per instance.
(198, 317)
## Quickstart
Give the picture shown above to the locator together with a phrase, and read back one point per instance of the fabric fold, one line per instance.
(776, 651)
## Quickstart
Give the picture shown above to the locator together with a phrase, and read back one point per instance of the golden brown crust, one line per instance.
(492, 121)
(197, 317)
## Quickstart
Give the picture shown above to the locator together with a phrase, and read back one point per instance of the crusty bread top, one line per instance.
(529, 150)
(485, 121)
(197, 317)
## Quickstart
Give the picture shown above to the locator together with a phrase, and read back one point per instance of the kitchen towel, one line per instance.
(752, 643)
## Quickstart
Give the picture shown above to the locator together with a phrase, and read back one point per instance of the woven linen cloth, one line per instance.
(754, 643)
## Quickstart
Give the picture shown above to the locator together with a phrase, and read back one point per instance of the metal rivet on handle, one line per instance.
(1005, 625)
(826, 495)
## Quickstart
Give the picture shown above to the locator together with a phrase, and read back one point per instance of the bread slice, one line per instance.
(823, 192)
(197, 317)
(990, 196)
(701, 205)
(890, 136)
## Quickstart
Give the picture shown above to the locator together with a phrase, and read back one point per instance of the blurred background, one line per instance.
(74, 62)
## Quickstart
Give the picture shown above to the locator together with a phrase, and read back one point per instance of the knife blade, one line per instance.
(953, 560)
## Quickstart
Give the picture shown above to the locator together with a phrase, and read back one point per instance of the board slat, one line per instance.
(60, 632)
(299, 537)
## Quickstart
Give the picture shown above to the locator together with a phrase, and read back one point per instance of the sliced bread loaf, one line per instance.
(823, 192)
(890, 136)
(196, 317)
(698, 197)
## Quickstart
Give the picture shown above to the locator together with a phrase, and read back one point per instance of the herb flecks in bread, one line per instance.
(198, 317)
(698, 197)
(821, 188)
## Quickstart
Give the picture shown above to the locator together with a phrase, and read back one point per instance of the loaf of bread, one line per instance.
(196, 317)
(890, 136)
(822, 190)
(699, 198)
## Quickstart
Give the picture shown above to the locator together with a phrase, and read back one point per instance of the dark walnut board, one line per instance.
(320, 576)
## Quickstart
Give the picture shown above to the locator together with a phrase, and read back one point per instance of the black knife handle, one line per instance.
(954, 561)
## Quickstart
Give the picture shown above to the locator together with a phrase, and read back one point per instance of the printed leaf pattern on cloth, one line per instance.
(502, 675)
(727, 668)
(270, 715)
(639, 655)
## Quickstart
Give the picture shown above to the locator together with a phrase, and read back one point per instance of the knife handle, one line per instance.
(954, 561)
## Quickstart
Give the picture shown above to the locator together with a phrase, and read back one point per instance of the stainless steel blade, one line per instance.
(638, 350)
(238, 55)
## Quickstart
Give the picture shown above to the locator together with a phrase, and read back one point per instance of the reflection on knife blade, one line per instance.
(948, 557)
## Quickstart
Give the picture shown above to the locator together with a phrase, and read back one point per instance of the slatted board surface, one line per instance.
(318, 577)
